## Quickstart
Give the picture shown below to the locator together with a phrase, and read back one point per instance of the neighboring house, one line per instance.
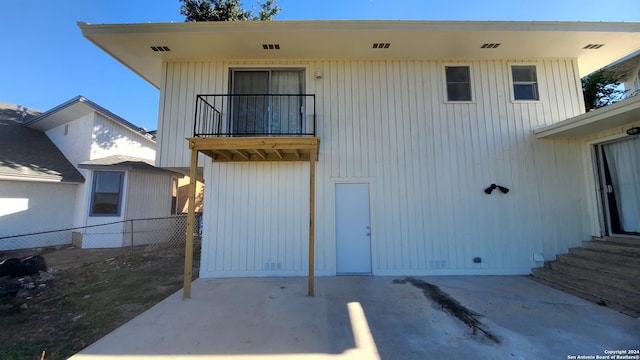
(409, 121)
(112, 161)
(37, 183)
(126, 187)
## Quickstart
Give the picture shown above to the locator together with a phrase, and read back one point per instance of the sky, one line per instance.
(46, 61)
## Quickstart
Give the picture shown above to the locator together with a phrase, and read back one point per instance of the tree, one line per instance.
(226, 10)
(268, 10)
(601, 88)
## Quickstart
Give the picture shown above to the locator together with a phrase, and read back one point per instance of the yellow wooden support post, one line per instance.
(191, 215)
(312, 211)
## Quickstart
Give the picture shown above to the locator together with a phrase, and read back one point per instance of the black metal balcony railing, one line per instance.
(255, 115)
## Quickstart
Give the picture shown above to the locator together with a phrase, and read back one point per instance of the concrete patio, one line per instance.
(368, 318)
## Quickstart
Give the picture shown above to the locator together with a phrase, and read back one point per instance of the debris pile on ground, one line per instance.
(23, 279)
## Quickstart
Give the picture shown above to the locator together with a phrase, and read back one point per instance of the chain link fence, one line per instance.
(152, 233)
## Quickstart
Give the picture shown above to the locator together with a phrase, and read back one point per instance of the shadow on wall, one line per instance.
(107, 139)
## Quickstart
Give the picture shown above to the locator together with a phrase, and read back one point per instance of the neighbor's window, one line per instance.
(106, 195)
(458, 83)
(525, 82)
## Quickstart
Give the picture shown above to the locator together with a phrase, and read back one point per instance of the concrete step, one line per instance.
(625, 301)
(607, 259)
(628, 282)
(613, 247)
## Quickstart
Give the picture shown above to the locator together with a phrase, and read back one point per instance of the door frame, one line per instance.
(372, 239)
(602, 203)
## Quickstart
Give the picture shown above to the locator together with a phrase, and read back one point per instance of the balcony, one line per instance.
(255, 127)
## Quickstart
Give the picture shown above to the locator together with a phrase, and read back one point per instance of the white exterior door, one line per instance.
(353, 229)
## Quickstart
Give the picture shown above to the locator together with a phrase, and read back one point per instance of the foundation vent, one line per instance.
(437, 264)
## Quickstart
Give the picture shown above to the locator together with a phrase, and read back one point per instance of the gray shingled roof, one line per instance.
(28, 154)
(123, 162)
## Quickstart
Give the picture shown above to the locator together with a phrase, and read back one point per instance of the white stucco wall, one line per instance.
(28, 207)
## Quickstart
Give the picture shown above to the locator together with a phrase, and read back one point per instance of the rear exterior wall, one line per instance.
(426, 160)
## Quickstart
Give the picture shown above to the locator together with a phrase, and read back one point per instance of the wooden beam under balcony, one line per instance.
(238, 149)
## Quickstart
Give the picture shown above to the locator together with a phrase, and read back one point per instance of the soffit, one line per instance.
(319, 40)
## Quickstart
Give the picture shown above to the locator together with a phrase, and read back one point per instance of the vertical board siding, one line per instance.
(148, 195)
(427, 162)
(260, 227)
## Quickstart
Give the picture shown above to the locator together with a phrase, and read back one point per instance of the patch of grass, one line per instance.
(85, 303)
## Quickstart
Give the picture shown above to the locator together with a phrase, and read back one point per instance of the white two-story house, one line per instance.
(373, 147)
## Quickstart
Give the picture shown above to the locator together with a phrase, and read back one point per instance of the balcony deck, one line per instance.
(239, 149)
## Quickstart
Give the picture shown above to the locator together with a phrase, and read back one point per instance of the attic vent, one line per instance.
(160, 48)
(271, 46)
(381, 45)
(593, 46)
(490, 45)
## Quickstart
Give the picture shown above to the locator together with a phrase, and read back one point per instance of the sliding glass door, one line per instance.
(267, 102)
(619, 170)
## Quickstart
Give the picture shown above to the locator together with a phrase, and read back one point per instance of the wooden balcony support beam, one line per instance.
(242, 154)
(252, 143)
(226, 154)
(312, 221)
(257, 149)
(261, 153)
(188, 251)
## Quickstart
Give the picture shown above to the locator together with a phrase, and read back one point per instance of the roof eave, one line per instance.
(90, 106)
(623, 113)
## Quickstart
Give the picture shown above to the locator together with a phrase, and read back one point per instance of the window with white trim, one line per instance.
(458, 80)
(525, 82)
(106, 195)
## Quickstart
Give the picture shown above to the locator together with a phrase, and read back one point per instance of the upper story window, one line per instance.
(458, 80)
(106, 195)
(267, 101)
(525, 82)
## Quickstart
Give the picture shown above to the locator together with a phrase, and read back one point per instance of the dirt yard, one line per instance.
(85, 295)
